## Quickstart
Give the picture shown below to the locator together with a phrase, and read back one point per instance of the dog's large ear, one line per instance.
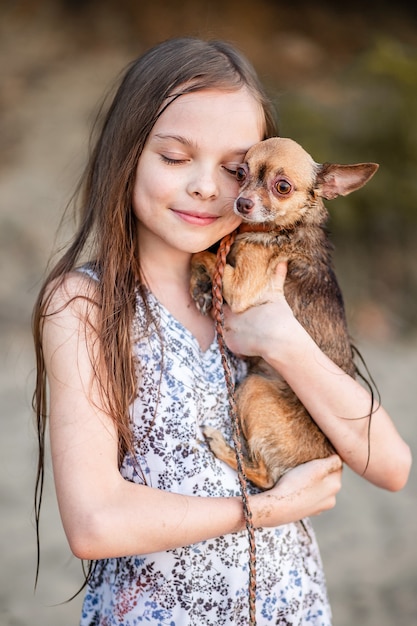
(339, 180)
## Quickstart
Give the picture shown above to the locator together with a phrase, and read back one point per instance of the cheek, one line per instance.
(147, 190)
(233, 189)
(229, 193)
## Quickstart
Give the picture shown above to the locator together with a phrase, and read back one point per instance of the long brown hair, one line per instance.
(106, 233)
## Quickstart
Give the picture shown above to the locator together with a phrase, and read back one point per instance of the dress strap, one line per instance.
(90, 269)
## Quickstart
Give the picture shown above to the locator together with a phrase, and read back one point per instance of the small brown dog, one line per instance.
(284, 218)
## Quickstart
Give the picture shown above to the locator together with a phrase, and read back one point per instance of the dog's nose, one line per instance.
(244, 205)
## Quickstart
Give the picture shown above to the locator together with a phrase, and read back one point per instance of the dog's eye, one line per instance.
(240, 174)
(283, 186)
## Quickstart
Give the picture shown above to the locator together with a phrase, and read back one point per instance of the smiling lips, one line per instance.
(196, 219)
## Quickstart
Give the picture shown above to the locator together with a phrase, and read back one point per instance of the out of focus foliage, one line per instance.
(373, 117)
(344, 79)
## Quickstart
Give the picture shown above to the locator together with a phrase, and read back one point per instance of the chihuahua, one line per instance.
(284, 219)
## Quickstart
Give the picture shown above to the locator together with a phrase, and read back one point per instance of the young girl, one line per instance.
(129, 371)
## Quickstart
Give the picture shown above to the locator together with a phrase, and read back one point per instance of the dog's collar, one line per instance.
(263, 227)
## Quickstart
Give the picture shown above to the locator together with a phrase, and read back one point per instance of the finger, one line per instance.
(279, 276)
(328, 465)
(334, 463)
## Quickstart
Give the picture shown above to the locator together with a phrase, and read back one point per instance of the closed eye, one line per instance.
(231, 169)
(171, 161)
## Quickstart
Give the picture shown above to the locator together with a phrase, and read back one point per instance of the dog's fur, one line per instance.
(284, 218)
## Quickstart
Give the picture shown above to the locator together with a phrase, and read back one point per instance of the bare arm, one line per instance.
(334, 399)
(103, 514)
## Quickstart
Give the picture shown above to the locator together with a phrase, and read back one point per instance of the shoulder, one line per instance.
(72, 291)
(69, 312)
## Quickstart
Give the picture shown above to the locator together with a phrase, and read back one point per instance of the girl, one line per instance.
(133, 370)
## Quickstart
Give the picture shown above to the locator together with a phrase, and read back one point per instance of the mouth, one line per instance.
(195, 219)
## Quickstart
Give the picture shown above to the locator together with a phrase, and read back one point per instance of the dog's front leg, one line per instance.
(247, 282)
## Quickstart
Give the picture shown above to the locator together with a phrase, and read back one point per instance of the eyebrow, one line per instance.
(179, 138)
(189, 143)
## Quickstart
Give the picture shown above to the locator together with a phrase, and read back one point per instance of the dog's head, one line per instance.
(281, 183)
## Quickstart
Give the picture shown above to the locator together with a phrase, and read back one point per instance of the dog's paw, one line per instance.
(204, 302)
(215, 440)
(200, 289)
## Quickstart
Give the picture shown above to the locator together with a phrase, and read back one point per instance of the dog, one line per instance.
(284, 219)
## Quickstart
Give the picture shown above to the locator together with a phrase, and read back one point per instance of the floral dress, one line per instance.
(181, 388)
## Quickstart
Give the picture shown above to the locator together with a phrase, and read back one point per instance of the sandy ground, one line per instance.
(369, 542)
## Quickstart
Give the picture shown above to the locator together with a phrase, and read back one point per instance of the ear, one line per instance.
(339, 180)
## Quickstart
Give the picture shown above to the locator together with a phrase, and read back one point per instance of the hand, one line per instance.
(250, 333)
(305, 491)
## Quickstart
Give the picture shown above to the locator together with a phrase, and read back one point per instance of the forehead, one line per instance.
(218, 113)
(284, 157)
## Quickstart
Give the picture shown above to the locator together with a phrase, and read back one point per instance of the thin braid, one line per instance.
(222, 253)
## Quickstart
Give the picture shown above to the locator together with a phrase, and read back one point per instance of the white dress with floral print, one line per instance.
(181, 388)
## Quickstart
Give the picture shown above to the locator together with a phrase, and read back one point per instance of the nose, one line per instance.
(244, 205)
(203, 185)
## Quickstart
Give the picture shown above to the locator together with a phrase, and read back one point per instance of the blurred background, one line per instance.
(344, 82)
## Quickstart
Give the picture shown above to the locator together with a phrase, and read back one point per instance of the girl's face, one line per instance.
(185, 182)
